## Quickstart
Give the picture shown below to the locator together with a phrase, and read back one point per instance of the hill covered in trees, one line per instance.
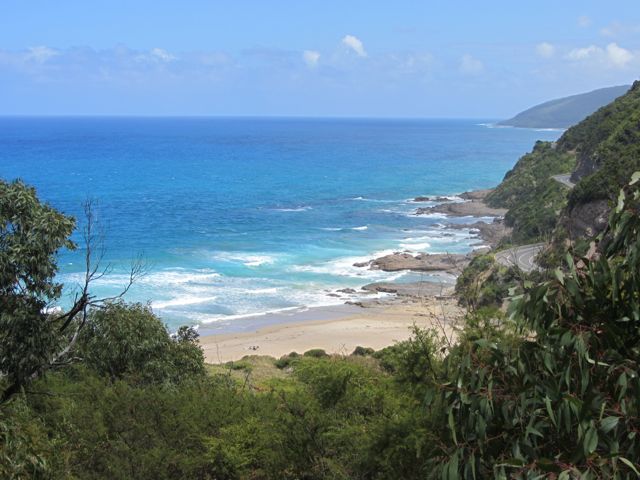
(567, 111)
(599, 153)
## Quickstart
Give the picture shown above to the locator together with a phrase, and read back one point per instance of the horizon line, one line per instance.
(240, 116)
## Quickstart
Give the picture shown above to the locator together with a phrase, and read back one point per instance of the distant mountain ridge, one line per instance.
(567, 111)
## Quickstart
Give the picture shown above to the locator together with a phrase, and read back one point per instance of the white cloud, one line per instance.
(618, 56)
(311, 58)
(41, 54)
(545, 50)
(162, 55)
(611, 56)
(584, 21)
(355, 44)
(584, 53)
(470, 65)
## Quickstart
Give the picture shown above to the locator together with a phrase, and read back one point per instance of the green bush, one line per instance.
(363, 351)
(315, 353)
(287, 360)
(129, 341)
(485, 283)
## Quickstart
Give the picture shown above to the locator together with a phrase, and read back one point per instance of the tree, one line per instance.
(127, 340)
(33, 337)
(564, 399)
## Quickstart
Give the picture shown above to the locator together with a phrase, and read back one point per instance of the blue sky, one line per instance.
(486, 59)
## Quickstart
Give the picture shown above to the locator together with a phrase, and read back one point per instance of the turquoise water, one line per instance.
(240, 216)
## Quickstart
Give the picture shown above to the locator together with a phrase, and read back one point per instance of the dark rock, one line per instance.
(362, 264)
(346, 290)
(432, 199)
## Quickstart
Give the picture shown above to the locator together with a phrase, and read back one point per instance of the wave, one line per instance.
(181, 302)
(377, 200)
(293, 209)
(427, 215)
(416, 246)
(343, 229)
(161, 278)
(206, 319)
(344, 267)
(247, 259)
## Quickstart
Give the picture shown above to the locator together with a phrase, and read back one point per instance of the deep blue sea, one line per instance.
(241, 216)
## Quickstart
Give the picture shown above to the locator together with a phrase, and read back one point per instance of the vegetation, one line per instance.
(607, 143)
(564, 399)
(549, 389)
(567, 111)
(33, 338)
(533, 198)
(485, 283)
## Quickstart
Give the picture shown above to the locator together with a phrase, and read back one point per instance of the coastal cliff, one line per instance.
(597, 156)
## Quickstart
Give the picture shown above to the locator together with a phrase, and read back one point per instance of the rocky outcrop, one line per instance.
(472, 206)
(415, 289)
(586, 220)
(432, 199)
(424, 262)
(476, 194)
(490, 233)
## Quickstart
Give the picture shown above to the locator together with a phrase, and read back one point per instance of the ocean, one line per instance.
(243, 216)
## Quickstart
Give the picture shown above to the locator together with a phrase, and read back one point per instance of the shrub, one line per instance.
(128, 340)
(363, 351)
(316, 353)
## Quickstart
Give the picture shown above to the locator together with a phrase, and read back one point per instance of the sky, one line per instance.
(432, 59)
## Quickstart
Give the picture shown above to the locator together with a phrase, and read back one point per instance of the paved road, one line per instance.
(564, 179)
(522, 256)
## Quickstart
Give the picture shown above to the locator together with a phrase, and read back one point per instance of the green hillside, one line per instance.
(600, 152)
(567, 111)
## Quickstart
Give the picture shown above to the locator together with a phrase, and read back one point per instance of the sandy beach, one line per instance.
(377, 326)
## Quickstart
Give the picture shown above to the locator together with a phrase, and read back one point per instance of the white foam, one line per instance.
(263, 291)
(428, 215)
(247, 259)
(376, 200)
(364, 227)
(181, 301)
(344, 267)
(161, 278)
(293, 209)
(221, 317)
(416, 246)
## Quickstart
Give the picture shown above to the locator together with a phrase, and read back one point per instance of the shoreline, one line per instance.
(376, 327)
(374, 323)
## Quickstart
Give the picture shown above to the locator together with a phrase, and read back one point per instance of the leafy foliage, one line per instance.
(484, 282)
(608, 141)
(533, 198)
(565, 398)
(31, 234)
(122, 340)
